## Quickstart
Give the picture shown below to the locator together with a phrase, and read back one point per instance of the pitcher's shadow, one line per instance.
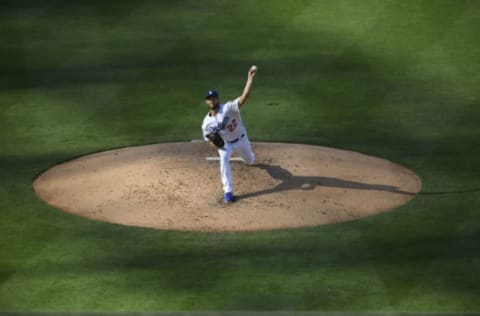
(292, 182)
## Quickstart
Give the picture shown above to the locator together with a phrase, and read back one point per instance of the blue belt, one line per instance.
(236, 139)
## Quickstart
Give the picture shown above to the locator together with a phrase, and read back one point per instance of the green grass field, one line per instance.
(394, 79)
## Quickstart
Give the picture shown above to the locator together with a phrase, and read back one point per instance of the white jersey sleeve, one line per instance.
(209, 125)
(232, 106)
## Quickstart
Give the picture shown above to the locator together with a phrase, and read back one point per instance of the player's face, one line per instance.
(212, 103)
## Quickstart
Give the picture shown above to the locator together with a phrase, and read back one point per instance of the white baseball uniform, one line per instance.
(228, 123)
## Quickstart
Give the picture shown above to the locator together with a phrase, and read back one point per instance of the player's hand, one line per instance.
(252, 72)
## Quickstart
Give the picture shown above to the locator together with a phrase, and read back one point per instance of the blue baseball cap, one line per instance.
(211, 94)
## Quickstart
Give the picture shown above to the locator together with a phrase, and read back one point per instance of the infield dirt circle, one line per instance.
(173, 186)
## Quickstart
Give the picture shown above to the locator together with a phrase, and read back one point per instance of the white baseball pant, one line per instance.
(244, 150)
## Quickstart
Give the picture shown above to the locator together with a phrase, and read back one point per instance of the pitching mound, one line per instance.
(173, 186)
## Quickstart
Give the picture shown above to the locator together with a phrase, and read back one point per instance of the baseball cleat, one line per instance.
(228, 197)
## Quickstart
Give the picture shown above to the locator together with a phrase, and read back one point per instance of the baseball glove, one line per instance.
(216, 139)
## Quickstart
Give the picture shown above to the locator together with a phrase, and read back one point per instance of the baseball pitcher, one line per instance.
(223, 127)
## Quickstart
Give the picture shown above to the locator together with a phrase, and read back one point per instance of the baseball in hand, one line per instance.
(253, 68)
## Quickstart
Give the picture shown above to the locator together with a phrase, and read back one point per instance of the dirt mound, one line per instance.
(173, 186)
